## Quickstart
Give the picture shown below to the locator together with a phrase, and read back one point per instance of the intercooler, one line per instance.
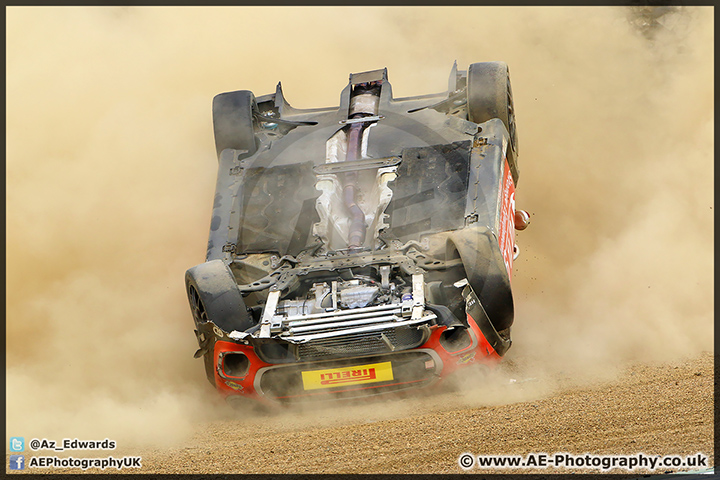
(349, 332)
(386, 340)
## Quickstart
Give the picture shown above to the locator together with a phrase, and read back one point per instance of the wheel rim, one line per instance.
(198, 309)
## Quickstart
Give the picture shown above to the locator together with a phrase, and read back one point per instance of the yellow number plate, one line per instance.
(335, 377)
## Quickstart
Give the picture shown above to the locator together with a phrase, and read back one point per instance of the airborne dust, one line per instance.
(111, 171)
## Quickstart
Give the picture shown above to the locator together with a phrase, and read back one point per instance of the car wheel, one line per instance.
(489, 95)
(233, 122)
(215, 297)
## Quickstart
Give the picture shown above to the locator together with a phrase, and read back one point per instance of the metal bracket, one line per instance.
(364, 164)
(461, 283)
(418, 295)
(385, 276)
(283, 121)
(269, 313)
(349, 121)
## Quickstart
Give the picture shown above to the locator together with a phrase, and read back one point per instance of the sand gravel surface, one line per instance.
(660, 409)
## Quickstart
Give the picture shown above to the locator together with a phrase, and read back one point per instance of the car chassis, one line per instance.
(359, 249)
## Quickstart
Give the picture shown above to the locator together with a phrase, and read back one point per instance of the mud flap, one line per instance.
(474, 309)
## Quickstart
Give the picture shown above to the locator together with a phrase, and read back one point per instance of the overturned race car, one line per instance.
(362, 249)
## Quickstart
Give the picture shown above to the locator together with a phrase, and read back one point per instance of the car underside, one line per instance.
(360, 249)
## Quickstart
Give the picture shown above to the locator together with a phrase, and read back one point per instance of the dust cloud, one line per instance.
(111, 168)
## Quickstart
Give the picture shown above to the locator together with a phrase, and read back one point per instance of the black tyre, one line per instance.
(214, 296)
(489, 95)
(233, 122)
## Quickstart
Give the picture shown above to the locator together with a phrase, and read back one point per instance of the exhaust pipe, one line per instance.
(364, 103)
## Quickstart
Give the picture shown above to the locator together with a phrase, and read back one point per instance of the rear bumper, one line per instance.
(350, 377)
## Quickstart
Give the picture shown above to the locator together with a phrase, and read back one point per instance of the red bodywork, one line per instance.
(479, 351)
(507, 218)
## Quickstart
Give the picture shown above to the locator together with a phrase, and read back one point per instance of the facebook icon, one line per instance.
(17, 462)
